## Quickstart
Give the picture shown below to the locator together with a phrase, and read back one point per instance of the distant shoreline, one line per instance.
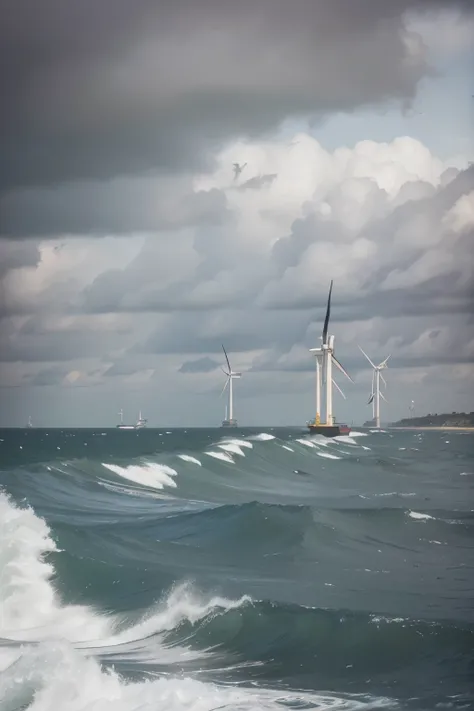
(426, 428)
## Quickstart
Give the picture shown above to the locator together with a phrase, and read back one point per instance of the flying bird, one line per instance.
(238, 169)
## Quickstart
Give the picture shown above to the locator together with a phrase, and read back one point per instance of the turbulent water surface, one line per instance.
(169, 569)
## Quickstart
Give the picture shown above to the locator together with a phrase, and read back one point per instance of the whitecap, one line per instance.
(262, 437)
(326, 455)
(420, 516)
(223, 456)
(188, 458)
(239, 442)
(306, 442)
(231, 447)
(345, 439)
(151, 474)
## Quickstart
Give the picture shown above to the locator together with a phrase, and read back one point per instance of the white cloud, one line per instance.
(389, 222)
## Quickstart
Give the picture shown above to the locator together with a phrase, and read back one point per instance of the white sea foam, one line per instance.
(345, 439)
(262, 437)
(30, 608)
(326, 455)
(223, 456)
(420, 516)
(284, 446)
(60, 679)
(239, 442)
(362, 434)
(232, 447)
(151, 474)
(306, 442)
(188, 458)
(54, 666)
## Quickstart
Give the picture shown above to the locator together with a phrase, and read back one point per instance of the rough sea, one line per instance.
(160, 570)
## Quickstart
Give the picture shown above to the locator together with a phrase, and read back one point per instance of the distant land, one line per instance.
(444, 421)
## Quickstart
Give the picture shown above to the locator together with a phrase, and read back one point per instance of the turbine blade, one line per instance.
(383, 364)
(338, 388)
(341, 368)
(225, 372)
(225, 385)
(383, 380)
(371, 399)
(227, 359)
(364, 353)
(383, 397)
(328, 313)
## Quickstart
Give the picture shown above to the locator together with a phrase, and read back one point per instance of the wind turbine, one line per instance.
(318, 353)
(375, 394)
(325, 357)
(229, 420)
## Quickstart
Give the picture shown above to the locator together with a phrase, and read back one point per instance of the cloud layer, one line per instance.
(391, 223)
(130, 250)
(102, 89)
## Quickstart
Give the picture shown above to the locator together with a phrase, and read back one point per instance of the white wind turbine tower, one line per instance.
(376, 394)
(318, 352)
(229, 420)
(325, 357)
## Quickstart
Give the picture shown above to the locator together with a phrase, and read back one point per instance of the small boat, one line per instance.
(333, 430)
(139, 425)
(29, 424)
(229, 423)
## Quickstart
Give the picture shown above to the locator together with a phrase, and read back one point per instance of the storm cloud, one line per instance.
(96, 90)
(129, 250)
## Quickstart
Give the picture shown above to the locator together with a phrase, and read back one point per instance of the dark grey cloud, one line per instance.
(15, 255)
(121, 206)
(200, 365)
(122, 367)
(354, 362)
(204, 332)
(48, 376)
(41, 339)
(103, 88)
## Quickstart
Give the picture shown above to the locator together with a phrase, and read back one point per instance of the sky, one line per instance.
(129, 250)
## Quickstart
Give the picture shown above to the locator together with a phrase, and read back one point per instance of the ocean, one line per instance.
(202, 569)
